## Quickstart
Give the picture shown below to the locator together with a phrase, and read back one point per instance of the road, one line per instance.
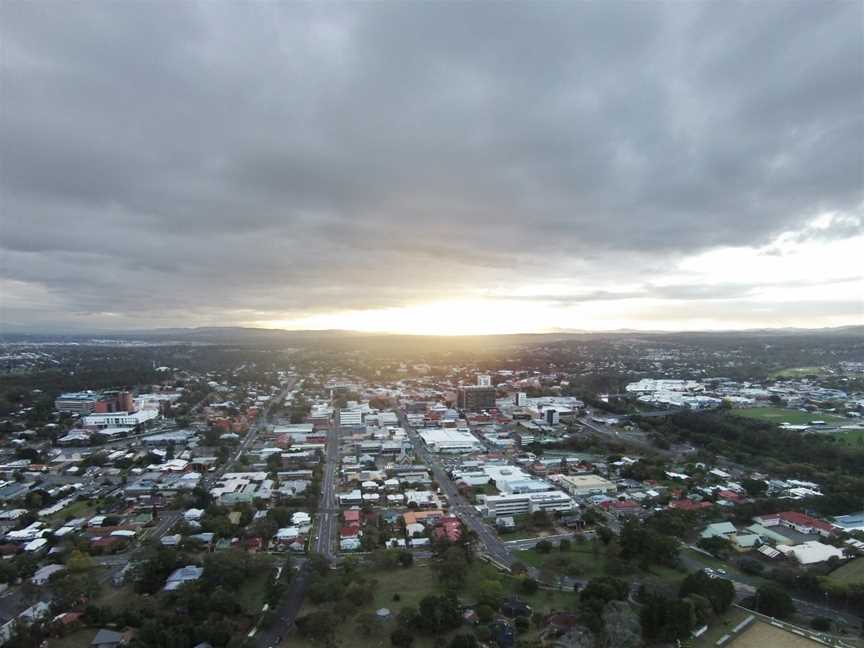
(251, 435)
(745, 587)
(328, 509)
(323, 543)
(492, 544)
(167, 519)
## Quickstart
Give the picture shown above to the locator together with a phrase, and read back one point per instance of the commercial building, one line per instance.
(475, 398)
(120, 419)
(449, 440)
(519, 504)
(583, 485)
(812, 552)
(76, 402)
(233, 488)
(350, 418)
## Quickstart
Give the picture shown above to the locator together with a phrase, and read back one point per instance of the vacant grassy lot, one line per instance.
(781, 415)
(851, 572)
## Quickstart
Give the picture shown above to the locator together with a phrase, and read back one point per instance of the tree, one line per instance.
(485, 613)
(401, 637)
(406, 558)
(491, 593)
(564, 545)
(438, 614)
(79, 561)
(666, 619)
(821, 624)
(463, 641)
(773, 600)
(528, 586)
(317, 625)
(452, 568)
(716, 546)
(622, 625)
(227, 569)
(544, 547)
(754, 487)
(541, 519)
(367, 623)
(719, 591)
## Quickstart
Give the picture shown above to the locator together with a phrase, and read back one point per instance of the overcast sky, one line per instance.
(434, 166)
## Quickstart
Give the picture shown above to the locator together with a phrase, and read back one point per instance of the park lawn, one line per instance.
(720, 626)
(547, 601)
(411, 583)
(582, 556)
(851, 572)
(665, 575)
(782, 415)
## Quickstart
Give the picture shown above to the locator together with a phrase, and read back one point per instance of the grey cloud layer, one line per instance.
(197, 158)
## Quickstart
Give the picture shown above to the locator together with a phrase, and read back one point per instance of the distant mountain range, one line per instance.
(245, 335)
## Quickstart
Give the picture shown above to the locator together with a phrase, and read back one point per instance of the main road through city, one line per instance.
(492, 545)
(323, 543)
(328, 510)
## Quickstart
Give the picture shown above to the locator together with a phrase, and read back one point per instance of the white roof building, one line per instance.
(812, 552)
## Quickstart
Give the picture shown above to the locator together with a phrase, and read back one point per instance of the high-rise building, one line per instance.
(521, 399)
(484, 380)
(476, 398)
(552, 416)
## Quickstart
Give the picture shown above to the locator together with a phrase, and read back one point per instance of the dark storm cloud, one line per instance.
(190, 161)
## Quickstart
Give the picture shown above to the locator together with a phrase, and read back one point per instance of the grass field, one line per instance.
(781, 415)
(851, 572)
(764, 635)
(581, 556)
(411, 584)
(81, 508)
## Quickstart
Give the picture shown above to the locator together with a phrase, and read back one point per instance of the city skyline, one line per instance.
(431, 168)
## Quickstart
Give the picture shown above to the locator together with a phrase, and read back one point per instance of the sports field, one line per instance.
(793, 417)
(798, 372)
(764, 635)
